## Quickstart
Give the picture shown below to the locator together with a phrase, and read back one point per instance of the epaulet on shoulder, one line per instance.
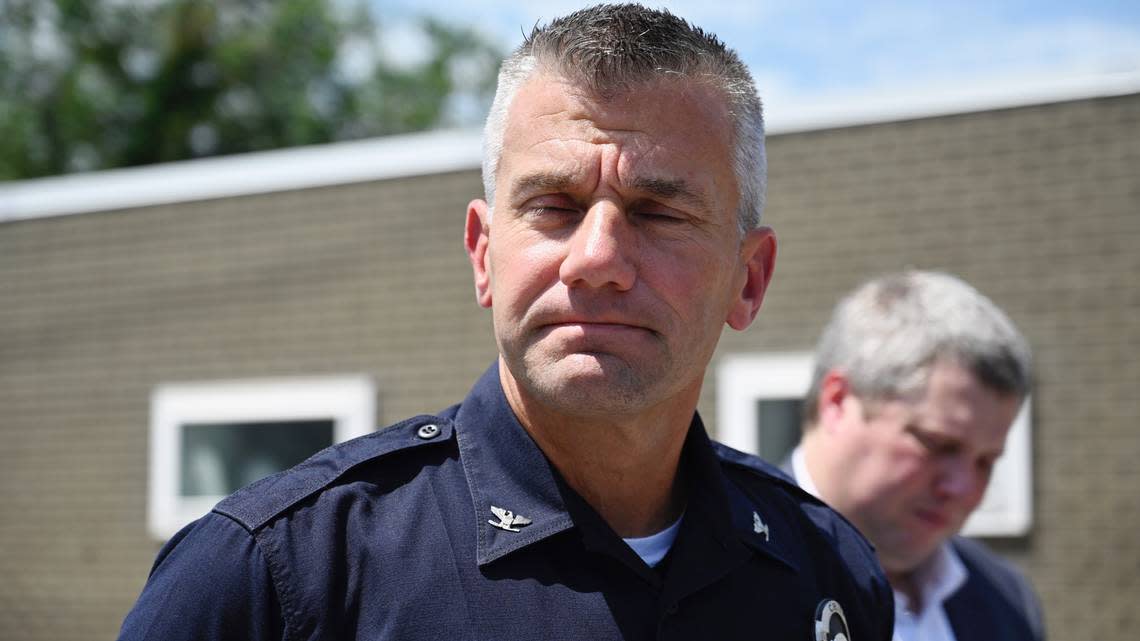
(257, 503)
(759, 469)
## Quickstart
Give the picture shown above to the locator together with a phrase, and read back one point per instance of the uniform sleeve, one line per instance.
(210, 582)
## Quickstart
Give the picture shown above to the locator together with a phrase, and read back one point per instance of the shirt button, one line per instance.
(428, 432)
(671, 609)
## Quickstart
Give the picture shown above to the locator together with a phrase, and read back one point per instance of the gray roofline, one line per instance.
(831, 112)
(456, 150)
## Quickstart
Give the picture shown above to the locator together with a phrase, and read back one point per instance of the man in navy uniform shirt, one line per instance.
(574, 494)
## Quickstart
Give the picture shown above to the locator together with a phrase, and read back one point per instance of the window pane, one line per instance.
(778, 427)
(219, 458)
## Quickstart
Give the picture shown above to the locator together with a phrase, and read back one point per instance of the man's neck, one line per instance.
(625, 467)
(819, 468)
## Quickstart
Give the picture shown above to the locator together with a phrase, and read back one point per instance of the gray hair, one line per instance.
(613, 47)
(888, 334)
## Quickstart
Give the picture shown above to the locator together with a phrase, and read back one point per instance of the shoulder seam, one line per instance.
(251, 511)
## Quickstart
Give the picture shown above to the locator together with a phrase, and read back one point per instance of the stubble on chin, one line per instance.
(585, 383)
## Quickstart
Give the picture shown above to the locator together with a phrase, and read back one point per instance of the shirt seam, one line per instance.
(289, 609)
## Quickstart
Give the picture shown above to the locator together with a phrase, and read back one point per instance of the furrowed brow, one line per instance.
(661, 188)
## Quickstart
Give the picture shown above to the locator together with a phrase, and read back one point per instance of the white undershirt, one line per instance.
(938, 578)
(654, 547)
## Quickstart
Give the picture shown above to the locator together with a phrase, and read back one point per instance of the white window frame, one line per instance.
(743, 379)
(348, 401)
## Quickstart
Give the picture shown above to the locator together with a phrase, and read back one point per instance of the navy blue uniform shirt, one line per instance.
(393, 536)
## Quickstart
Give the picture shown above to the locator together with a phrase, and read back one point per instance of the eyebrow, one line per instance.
(663, 188)
(541, 181)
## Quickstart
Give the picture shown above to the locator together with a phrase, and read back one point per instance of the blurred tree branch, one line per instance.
(97, 84)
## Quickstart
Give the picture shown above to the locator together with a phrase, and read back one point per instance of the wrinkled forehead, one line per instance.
(668, 132)
(667, 117)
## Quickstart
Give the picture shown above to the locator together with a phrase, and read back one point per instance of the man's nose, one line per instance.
(959, 478)
(601, 250)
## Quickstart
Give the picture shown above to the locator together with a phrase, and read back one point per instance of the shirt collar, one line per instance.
(507, 470)
(938, 578)
(800, 473)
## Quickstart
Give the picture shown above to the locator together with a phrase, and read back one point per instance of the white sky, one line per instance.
(806, 52)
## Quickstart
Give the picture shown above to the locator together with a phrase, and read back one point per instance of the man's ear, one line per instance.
(835, 400)
(758, 251)
(476, 238)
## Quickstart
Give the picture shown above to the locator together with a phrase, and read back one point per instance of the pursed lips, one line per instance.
(595, 325)
(604, 319)
(600, 328)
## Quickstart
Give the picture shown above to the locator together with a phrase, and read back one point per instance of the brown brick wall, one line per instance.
(97, 309)
(1038, 206)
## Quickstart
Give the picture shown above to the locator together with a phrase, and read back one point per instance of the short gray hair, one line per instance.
(609, 48)
(888, 334)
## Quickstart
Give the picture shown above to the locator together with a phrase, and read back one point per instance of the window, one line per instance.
(759, 399)
(209, 439)
(758, 402)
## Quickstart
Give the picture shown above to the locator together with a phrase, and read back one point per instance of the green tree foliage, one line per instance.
(96, 84)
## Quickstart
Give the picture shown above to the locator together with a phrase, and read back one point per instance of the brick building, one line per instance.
(347, 260)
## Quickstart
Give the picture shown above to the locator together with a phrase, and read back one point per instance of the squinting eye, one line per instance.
(933, 446)
(548, 211)
(551, 219)
(659, 217)
(922, 440)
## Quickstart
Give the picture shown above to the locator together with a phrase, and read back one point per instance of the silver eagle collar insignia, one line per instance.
(508, 520)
